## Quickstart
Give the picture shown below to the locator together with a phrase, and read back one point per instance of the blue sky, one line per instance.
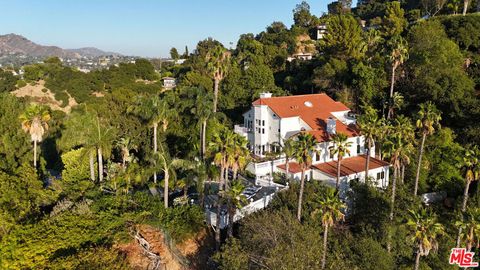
(142, 27)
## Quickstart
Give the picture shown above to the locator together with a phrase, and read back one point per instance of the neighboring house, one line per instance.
(300, 56)
(169, 82)
(321, 31)
(271, 120)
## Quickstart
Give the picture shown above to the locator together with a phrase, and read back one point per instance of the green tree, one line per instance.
(471, 167)
(235, 200)
(102, 139)
(165, 163)
(428, 119)
(425, 231)
(217, 65)
(397, 56)
(368, 124)
(344, 38)
(471, 229)
(35, 122)
(394, 21)
(288, 150)
(125, 145)
(330, 211)
(341, 148)
(306, 146)
(155, 111)
(174, 53)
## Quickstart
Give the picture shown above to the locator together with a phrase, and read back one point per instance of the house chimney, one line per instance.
(265, 95)
(331, 126)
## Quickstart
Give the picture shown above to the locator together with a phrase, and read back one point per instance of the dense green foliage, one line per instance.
(97, 163)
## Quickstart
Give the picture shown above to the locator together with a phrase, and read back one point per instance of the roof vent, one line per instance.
(308, 104)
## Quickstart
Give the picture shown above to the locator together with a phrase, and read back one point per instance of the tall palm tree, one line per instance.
(471, 167)
(425, 230)
(202, 110)
(306, 146)
(471, 228)
(217, 65)
(35, 122)
(404, 128)
(235, 200)
(288, 150)
(329, 208)
(239, 154)
(341, 147)
(162, 161)
(428, 119)
(398, 55)
(394, 147)
(102, 138)
(368, 124)
(222, 148)
(155, 111)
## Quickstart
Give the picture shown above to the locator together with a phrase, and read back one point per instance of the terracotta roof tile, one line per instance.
(313, 109)
(293, 167)
(350, 165)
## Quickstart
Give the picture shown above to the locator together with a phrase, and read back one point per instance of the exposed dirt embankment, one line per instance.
(39, 94)
(191, 250)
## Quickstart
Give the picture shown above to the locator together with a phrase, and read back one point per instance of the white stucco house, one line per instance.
(271, 120)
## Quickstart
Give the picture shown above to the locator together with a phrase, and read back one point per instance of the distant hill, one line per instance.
(90, 51)
(17, 44)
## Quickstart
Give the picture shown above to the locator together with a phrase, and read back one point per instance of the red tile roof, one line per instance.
(293, 167)
(350, 165)
(313, 109)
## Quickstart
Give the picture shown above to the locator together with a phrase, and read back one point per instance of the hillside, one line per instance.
(17, 44)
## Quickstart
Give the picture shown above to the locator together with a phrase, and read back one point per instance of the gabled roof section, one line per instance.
(313, 109)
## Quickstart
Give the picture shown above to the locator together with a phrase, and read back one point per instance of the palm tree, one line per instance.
(306, 146)
(341, 147)
(396, 103)
(398, 55)
(403, 127)
(465, 7)
(125, 144)
(330, 209)
(162, 161)
(381, 134)
(222, 149)
(102, 139)
(368, 124)
(155, 111)
(425, 230)
(428, 119)
(235, 200)
(471, 167)
(202, 110)
(239, 154)
(217, 66)
(288, 149)
(78, 133)
(393, 149)
(35, 122)
(471, 227)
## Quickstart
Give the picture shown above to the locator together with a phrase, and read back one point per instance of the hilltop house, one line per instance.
(169, 82)
(271, 120)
